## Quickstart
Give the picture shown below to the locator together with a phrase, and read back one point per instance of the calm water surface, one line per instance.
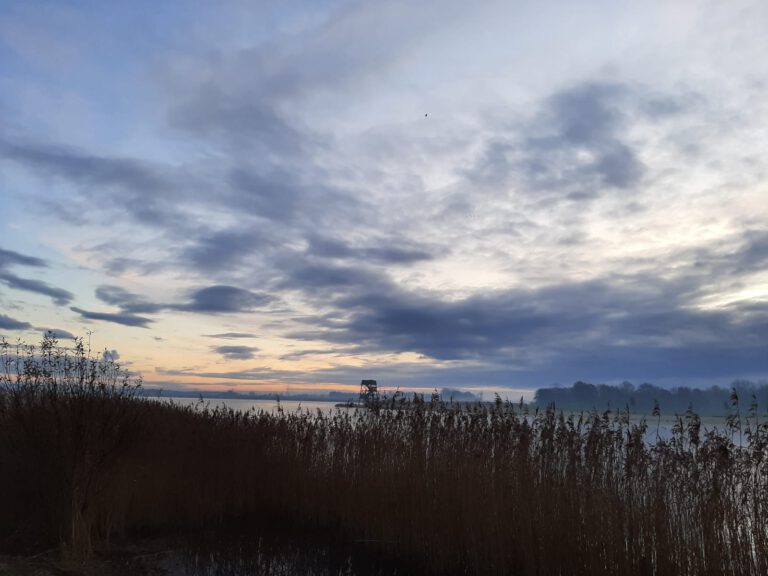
(244, 404)
(664, 425)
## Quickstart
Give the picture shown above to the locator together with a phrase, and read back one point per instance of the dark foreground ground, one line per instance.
(214, 555)
(151, 558)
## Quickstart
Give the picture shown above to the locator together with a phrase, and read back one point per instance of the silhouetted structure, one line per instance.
(369, 391)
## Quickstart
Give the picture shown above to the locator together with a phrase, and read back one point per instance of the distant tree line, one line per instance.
(715, 400)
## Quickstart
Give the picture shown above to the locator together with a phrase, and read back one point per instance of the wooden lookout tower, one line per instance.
(369, 391)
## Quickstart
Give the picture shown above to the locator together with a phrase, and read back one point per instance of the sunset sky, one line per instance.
(298, 195)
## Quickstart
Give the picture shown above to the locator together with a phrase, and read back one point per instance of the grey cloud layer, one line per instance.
(576, 145)
(236, 352)
(225, 299)
(8, 323)
(10, 258)
(58, 333)
(276, 207)
(116, 318)
(58, 295)
(133, 186)
(230, 335)
(565, 324)
(621, 326)
(210, 300)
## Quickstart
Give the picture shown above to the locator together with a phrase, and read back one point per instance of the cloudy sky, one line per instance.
(292, 195)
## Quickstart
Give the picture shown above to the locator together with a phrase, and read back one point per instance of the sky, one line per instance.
(294, 196)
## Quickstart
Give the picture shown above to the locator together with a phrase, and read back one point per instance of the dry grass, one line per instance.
(486, 490)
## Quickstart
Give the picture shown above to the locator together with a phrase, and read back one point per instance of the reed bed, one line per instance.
(453, 489)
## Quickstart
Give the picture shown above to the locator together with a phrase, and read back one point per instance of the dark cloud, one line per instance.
(58, 333)
(299, 354)
(133, 186)
(753, 255)
(586, 114)
(618, 167)
(547, 331)
(227, 251)
(82, 167)
(296, 196)
(125, 319)
(120, 265)
(230, 335)
(213, 299)
(407, 322)
(390, 251)
(115, 295)
(8, 323)
(576, 145)
(126, 301)
(273, 196)
(247, 120)
(222, 250)
(10, 258)
(330, 279)
(224, 299)
(236, 352)
(58, 295)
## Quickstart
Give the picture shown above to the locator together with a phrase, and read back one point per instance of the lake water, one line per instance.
(271, 406)
(244, 404)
